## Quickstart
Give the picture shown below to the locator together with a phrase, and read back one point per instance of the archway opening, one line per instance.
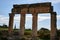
(16, 21)
(28, 25)
(44, 25)
(44, 21)
(28, 22)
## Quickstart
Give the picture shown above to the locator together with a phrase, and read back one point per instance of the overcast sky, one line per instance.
(43, 19)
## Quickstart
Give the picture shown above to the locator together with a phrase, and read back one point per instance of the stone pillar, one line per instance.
(22, 25)
(34, 27)
(53, 33)
(11, 18)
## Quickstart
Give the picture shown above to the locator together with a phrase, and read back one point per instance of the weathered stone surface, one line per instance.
(34, 27)
(11, 19)
(53, 33)
(22, 25)
(33, 9)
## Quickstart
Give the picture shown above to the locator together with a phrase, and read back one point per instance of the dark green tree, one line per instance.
(5, 26)
(44, 33)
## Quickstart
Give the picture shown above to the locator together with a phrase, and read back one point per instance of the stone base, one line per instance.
(34, 38)
(22, 38)
(14, 38)
(10, 38)
(53, 38)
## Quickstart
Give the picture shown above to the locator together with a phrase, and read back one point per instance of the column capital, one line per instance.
(22, 14)
(34, 14)
(10, 14)
(53, 13)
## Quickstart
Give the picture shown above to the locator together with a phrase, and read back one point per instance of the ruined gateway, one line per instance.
(33, 9)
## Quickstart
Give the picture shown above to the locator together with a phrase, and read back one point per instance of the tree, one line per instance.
(5, 26)
(58, 33)
(44, 33)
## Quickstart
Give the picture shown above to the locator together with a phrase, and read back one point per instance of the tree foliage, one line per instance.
(4, 26)
(44, 33)
(58, 33)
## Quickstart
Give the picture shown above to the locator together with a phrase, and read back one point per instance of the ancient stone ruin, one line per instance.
(33, 9)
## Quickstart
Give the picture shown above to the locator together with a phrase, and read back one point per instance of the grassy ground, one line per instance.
(3, 29)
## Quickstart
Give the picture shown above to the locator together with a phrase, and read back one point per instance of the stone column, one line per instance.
(22, 25)
(11, 18)
(34, 27)
(53, 33)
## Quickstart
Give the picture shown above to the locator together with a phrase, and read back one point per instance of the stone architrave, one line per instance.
(53, 33)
